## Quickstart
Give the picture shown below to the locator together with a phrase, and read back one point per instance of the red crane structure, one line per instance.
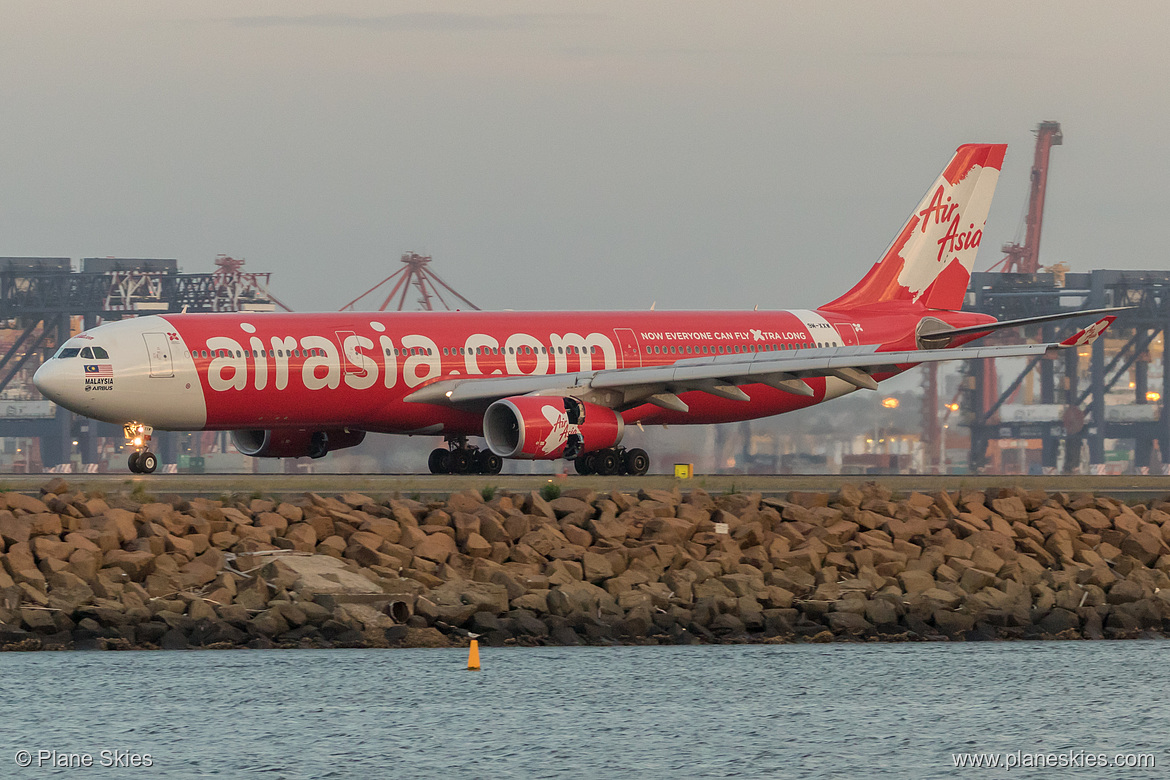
(414, 273)
(1025, 258)
(235, 289)
(1018, 258)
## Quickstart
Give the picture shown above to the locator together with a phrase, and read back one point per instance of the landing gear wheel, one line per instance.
(440, 461)
(606, 463)
(488, 462)
(132, 462)
(147, 462)
(636, 462)
(584, 465)
(590, 459)
(460, 462)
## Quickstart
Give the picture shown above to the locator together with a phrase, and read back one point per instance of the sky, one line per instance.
(569, 155)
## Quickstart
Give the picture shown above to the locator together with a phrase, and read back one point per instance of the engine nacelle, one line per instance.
(295, 442)
(536, 427)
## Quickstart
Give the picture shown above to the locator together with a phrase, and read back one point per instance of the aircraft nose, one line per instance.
(53, 382)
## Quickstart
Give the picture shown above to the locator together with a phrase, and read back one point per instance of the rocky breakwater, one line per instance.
(122, 571)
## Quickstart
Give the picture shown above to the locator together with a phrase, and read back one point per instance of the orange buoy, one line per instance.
(473, 656)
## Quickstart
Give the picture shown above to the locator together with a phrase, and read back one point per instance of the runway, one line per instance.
(425, 486)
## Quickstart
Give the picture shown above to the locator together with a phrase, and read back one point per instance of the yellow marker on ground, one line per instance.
(473, 656)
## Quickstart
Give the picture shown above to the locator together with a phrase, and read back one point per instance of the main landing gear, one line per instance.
(617, 460)
(142, 460)
(460, 458)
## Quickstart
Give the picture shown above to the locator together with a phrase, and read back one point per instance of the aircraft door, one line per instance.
(848, 333)
(349, 367)
(628, 348)
(158, 352)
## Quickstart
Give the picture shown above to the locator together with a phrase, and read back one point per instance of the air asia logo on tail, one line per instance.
(938, 251)
(943, 211)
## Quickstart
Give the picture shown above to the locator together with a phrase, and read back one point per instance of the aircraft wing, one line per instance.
(722, 375)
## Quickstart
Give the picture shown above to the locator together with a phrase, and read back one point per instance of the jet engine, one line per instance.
(548, 427)
(294, 442)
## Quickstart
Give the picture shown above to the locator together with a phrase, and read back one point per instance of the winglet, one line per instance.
(1088, 335)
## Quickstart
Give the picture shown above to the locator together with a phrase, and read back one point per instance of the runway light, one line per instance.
(890, 403)
(1132, 385)
(953, 407)
(1153, 395)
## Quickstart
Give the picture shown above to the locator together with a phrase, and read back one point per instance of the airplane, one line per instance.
(544, 385)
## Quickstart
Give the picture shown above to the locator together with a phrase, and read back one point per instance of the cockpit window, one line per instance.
(87, 352)
(68, 352)
(100, 353)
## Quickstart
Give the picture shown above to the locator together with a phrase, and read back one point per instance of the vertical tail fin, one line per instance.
(930, 261)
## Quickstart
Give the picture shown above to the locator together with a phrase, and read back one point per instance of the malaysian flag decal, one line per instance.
(99, 369)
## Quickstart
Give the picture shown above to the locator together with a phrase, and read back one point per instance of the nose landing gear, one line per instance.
(142, 460)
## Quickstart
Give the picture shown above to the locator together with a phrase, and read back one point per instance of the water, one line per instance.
(777, 711)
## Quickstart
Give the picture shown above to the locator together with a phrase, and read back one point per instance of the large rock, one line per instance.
(303, 536)
(608, 527)
(120, 521)
(312, 575)
(667, 530)
(50, 547)
(435, 547)
(485, 596)
(564, 506)
(583, 597)
(974, 580)
(1145, 544)
(13, 529)
(880, 612)
(1125, 591)
(477, 547)
(28, 504)
(596, 568)
(1011, 509)
(849, 623)
(67, 592)
(953, 623)
(1059, 620)
(136, 564)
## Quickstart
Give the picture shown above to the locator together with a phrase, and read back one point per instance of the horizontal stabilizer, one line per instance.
(992, 326)
(1088, 335)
